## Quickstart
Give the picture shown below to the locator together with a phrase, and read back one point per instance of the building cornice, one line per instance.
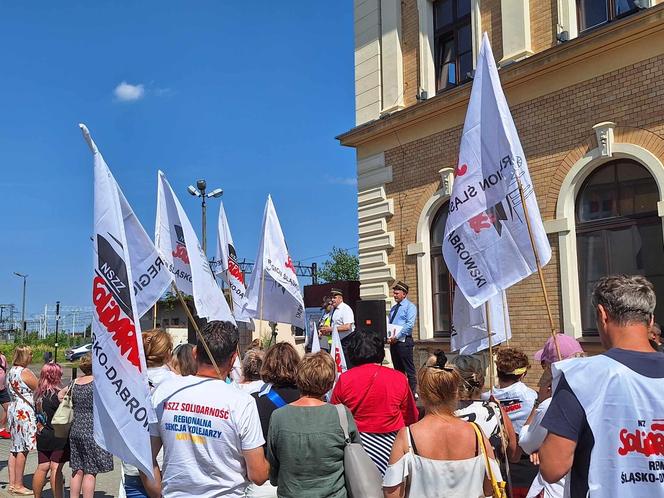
(551, 63)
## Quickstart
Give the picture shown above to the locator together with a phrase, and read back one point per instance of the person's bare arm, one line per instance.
(29, 378)
(346, 327)
(153, 487)
(513, 448)
(556, 456)
(488, 487)
(399, 449)
(258, 468)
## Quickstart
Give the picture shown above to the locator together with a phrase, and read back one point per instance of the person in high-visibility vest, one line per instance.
(325, 321)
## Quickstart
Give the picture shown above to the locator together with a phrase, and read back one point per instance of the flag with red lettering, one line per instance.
(486, 243)
(122, 409)
(229, 268)
(274, 292)
(469, 333)
(337, 352)
(178, 245)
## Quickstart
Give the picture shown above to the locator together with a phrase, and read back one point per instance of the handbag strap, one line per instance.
(343, 421)
(482, 444)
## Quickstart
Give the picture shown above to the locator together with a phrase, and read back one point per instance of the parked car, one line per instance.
(74, 354)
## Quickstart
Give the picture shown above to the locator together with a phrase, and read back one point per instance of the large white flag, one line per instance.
(229, 269)
(178, 245)
(122, 408)
(279, 299)
(486, 244)
(315, 340)
(469, 325)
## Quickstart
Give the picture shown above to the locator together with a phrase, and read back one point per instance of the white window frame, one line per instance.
(427, 69)
(565, 222)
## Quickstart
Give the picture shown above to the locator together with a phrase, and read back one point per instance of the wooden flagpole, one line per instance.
(488, 331)
(154, 316)
(505, 321)
(198, 331)
(539, 266)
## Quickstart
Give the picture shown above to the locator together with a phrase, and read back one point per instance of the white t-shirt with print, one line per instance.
(517, 400)
(205, 425)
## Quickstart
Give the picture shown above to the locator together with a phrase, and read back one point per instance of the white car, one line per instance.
(76, 353)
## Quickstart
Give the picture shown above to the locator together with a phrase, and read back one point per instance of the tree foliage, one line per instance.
(341, 266)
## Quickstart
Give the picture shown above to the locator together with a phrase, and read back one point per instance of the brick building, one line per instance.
(585, 83)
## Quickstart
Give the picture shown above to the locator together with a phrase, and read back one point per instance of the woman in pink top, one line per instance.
(378, 397)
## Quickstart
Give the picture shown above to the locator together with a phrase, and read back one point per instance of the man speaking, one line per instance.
(401, 322)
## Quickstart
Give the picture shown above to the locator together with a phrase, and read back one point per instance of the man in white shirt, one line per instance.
(343, 317)
(210, 431)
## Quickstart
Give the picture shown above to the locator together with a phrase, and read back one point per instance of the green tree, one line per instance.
(341, 266)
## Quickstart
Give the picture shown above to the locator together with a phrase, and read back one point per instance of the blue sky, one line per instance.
(248, 95)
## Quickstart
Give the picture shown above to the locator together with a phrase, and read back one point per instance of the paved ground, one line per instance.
(107, 484)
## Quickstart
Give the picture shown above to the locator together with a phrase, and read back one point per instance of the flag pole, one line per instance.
(488, 331)
(540, 272)
(154, 316)
(505, 322)
(198, 331)
(260, 332)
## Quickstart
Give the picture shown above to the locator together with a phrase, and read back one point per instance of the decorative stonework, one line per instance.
(374, 209)
(604, 133)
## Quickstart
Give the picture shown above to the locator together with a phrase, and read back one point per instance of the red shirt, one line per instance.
(381, 403)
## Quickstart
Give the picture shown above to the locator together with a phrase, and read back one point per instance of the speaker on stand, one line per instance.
(371, 315)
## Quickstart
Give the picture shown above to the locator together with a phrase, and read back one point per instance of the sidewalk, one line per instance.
(107, 484)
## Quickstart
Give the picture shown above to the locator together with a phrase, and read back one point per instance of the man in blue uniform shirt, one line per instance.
(403, 314)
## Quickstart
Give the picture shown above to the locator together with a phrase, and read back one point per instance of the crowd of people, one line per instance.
(274, 428)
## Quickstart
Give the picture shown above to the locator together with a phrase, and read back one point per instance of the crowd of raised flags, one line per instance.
(487, 248)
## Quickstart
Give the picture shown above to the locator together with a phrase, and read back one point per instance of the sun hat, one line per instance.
(568, 348)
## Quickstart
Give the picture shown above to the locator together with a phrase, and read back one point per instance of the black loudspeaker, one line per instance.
(371, 316)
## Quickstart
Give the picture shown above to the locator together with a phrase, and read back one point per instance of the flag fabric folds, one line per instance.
(469, 325)
(122, 409)
(315, 340)
(274, 292)
(229, 269)
(486, 244)
(337, 352)
(178, 246)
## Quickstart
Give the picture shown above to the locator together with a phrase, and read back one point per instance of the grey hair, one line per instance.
(627, 299)
(471, 372)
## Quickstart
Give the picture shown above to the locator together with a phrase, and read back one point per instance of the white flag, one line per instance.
(337, 352)
(229, 269)
(122, 407)
(486, 243)
(315, 340)
(469, 325)
(179, 248)
(280, 299)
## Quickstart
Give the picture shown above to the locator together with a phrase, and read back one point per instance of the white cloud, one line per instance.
(351, 181)
(126, 92)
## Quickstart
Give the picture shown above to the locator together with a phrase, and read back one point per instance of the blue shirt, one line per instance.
(405, 317)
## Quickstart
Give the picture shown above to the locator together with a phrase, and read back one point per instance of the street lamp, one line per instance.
(24, 277)
(200, 192)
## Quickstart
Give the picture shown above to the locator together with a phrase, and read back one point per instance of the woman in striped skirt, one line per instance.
(378, 397)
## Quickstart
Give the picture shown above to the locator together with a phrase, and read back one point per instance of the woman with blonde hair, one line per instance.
(441, 455)
(183, 361)
(158, 348)
(21, 383)
(305, 444)
(251, 381)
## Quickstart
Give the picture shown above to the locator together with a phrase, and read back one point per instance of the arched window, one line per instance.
(440, 276)
(618, 231)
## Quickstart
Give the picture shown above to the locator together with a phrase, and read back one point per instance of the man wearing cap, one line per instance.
(403, 314)
(604, 422)
(343, 317)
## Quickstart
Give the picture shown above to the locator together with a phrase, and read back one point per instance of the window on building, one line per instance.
(453, 43)
(164, 322)
(592, 13)
(440, 277)
(175, 321)
(618, 231)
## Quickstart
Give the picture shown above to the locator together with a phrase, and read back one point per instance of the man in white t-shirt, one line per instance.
(343, 317)
(210, 431)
